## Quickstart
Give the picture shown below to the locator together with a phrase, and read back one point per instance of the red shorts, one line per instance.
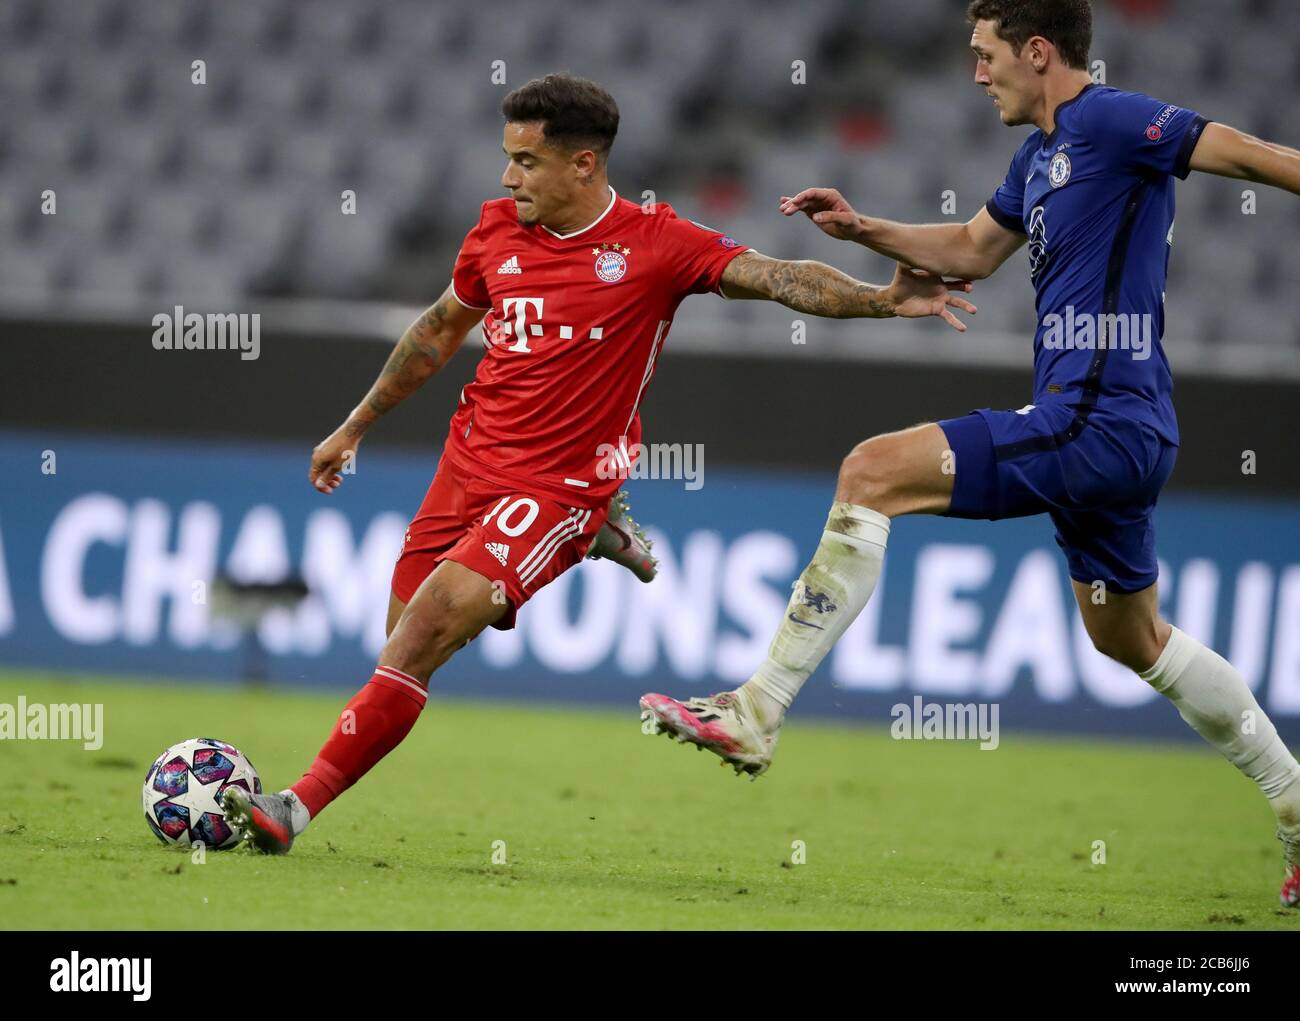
(516, 540)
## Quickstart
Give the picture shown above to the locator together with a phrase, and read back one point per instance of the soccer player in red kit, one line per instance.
(576, 289)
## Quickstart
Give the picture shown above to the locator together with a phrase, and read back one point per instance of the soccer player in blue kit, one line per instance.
(1092, 193)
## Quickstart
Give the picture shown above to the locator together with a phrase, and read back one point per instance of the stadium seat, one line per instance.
(396, 101)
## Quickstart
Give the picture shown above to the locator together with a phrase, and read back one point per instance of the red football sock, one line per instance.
(372, 725)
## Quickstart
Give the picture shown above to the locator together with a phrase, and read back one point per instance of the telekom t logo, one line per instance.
(520, 309)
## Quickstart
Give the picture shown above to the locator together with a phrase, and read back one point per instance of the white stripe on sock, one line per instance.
(396, 675)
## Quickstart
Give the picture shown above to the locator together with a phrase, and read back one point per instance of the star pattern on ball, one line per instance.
(200, 798)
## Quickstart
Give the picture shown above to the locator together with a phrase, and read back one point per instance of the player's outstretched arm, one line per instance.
(971, 250)
(821, 290)
(1231, 153)
(422, 350)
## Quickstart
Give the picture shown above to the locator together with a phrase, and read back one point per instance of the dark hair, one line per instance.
(1066, 24)
(575, 113)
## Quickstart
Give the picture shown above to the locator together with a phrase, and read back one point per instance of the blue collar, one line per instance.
(1050, 140)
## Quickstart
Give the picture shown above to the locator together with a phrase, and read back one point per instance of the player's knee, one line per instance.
(1110, 648)
(1135, 650)
(419, 651)
(424, 636)
(865, 476)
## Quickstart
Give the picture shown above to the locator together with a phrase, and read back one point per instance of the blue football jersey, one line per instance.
(1096, 200)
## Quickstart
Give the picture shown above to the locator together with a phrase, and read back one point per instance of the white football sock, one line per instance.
(829, 594)
(299, 816)
(1216, 702)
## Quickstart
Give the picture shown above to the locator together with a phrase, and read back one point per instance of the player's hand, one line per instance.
(827, 208)
(330, 457)
(916, 293)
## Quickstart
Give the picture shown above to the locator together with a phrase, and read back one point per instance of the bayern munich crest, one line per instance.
(611, 261)
(1058, 171)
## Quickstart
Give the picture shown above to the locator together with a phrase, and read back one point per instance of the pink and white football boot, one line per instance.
(1290, 894)
(725, 724)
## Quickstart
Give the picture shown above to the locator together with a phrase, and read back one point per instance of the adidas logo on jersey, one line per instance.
(498, 549)
(511, 265)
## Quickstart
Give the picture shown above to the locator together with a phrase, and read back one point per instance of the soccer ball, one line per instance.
(184, 788)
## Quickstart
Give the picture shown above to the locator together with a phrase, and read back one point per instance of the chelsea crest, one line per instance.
(1058, 171)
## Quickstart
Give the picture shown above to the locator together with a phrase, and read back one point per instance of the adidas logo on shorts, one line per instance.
(511, 265)
(499, 550)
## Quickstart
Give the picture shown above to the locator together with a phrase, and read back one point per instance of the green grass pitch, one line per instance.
(604, 827)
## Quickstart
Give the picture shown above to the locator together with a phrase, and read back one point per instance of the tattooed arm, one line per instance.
(822, 290)
(422, 350)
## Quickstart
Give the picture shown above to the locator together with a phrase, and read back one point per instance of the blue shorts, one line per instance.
(1098, 478)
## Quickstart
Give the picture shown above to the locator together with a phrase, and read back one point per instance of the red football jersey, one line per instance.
(574, 326)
